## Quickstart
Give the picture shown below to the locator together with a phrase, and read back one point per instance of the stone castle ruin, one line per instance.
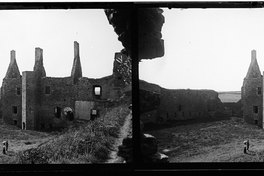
(252, 93)
(34, 101)
(159, 105)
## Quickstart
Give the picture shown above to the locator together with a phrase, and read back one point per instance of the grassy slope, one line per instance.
(89, 142)
(220, 141)
(19, 140)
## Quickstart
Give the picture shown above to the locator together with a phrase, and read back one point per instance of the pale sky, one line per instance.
(207, 49)
(55, 32)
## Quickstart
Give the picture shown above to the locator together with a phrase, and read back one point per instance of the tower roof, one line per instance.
(253, 70)
(76, 68)
(12, 71)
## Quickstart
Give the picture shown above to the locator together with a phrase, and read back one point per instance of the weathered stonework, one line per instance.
(149, 25)
(44, 101)
(158, 105)
(252, 93)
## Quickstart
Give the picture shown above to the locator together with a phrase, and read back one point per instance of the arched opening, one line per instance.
(68, 112)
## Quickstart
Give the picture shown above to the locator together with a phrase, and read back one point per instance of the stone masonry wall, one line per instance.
(188, 104)
(64, 93)
(29, 110)
(10, 99)
(61, 95)
(250, 98)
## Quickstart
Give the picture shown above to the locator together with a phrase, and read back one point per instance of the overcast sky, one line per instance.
(55, 32)
(207, 49)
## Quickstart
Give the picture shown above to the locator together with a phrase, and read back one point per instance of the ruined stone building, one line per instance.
(36, 102)
(252, 93)
(160, 105)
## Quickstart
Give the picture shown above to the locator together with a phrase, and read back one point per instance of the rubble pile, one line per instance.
(126, 149)
(149, 150)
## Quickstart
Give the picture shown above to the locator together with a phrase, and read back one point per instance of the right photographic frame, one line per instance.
(201, 82)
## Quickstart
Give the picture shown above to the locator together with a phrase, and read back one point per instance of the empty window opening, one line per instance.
(94, 114)
(256, 122)
(255, 109)
(18, 90)
(14, 109)
(57, 112)
(47, 90)
(15, 122)
(97, 91)
(179, 108)
(259, 90)
(23, 125)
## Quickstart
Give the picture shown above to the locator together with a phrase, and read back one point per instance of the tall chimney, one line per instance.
(38, 55)
(38, 67)
(253, 55)
(76, 49)
(13, 56)
(76, 71)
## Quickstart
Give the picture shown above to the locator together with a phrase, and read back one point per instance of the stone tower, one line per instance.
(76, 72)
(12, 71)
(31, 92)
(11, 93)
(251, 93)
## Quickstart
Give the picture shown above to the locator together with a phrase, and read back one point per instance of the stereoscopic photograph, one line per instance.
(201, 94)
(66, 87)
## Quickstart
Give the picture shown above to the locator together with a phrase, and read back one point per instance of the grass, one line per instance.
(212, 141)
(80, 143)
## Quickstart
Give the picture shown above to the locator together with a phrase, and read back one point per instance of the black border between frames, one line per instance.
(63, 5)
(135, 88)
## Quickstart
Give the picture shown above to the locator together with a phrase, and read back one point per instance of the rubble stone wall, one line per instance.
(10, 99)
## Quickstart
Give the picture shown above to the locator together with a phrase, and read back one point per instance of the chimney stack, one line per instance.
(76, 49)
(13, 56)
(38, 54)
(76, 72)
(38, 67)
(253, 55)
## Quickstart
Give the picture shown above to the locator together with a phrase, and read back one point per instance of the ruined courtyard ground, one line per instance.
(218, 140)
(83, 142)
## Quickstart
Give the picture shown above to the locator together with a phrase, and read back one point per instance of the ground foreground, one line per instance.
(217, 141)
(82, 142)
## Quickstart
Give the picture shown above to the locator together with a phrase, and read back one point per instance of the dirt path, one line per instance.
(125, 131)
